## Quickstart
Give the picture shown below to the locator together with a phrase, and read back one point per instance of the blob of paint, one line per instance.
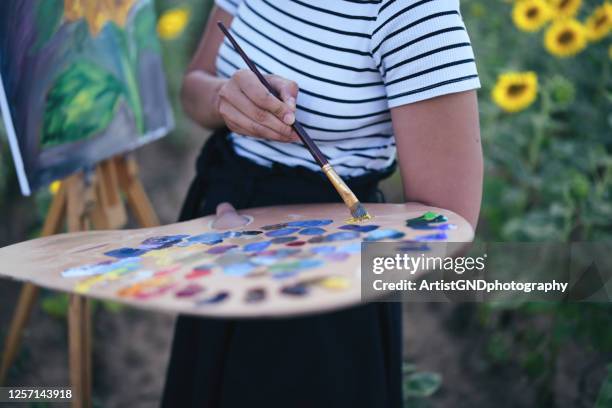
(312, 231)
(282, 232)
(282, 240)
(359, 228)
(441, 236)
(216, 298)
(381, 234)
(316, 239)
(209, 238)
(162, 241)
(296, 243)
(337, 256)
(309, 223)
(295, 290)
(335, 283)
(274, 227)
(341, 236)
(255, 295)
(238, 269)
(189, 290)
(323, 249)
(256, 246)
(126, 252)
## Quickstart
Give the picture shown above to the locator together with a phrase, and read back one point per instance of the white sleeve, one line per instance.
(231, 6)
(422, 50)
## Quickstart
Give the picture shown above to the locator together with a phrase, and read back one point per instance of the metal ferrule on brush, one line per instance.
(347, 195)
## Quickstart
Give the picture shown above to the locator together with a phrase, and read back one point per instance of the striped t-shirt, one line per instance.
(353, 61)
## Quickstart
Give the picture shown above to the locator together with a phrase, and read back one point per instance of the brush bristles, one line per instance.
(359, 212)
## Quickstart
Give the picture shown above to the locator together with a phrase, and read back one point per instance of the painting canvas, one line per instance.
(82, 80)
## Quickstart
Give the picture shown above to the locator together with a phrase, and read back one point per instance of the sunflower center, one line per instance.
(515, 90)
(601, 21)
(533, 12)
(566, 37)
(564, 4)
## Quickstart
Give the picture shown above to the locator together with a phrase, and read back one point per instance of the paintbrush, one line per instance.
(358, 211)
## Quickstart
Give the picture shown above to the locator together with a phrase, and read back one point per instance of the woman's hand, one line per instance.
(248, 108)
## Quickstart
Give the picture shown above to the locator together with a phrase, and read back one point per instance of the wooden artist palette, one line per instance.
(286, 261)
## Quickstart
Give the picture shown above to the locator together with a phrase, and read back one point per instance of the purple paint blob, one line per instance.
(189, 290)
(217, 298)
(220, 249)
(359, 228)
(309, 223)
(126, 252)
(282, 240)
(342, 236)
(312, 231)
(284, 274)
(162, 241)
(282, 232)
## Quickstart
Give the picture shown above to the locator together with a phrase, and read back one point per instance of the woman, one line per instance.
(369, 80)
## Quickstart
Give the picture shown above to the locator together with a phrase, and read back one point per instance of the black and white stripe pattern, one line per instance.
(353, 61)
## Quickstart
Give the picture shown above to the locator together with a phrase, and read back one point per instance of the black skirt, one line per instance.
(348, 358)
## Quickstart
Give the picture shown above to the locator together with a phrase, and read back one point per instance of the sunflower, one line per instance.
(172, 23)
(98, 12)
(530, 15)
(599, 24)
(565, 8)
(565, 38)
(515, 91)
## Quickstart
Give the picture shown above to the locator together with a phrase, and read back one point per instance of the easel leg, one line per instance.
(29, 292)
(27, 298)
(130, 184)
(79, 347)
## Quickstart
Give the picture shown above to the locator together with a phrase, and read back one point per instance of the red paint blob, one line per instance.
(295, 243)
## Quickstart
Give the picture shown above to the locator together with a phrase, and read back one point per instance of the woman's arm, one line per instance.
(439, 152)
(242, 103)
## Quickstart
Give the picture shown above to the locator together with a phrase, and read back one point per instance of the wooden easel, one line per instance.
(83, 202)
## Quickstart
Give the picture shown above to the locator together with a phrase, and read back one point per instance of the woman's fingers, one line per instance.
(248, 108)
(240, 123)
(259, 115)
(286, 88)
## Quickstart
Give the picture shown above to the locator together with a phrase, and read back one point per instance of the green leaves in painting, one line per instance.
(143, 28)
(82, 102)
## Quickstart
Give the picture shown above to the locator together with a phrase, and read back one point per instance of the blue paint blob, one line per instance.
(295, 290)
(323, 249)
(126, 252)
(209, 238)
(379, 235)
(252, 232)
(161, 242)
(284, 274)
(439, 227)
(359, 228)
(441, 236)
(255, 295)
(309, 223)
(217, 298)
(282, 240)
(352, 248)
(312, 231)
(238, 269)
(256, 246)
(282, 232)
(274, 227)
(341, 236)
(309, 263)
(285, 252)
(264, 260)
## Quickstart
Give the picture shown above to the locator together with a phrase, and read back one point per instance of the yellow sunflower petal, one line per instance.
(565, 8)
(565, 38)
(515, 91)
(599, 24)
(530, 15)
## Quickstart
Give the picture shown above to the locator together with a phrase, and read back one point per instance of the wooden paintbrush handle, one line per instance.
(308, 142)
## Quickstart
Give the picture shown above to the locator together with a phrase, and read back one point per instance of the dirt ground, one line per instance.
(131, 347)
